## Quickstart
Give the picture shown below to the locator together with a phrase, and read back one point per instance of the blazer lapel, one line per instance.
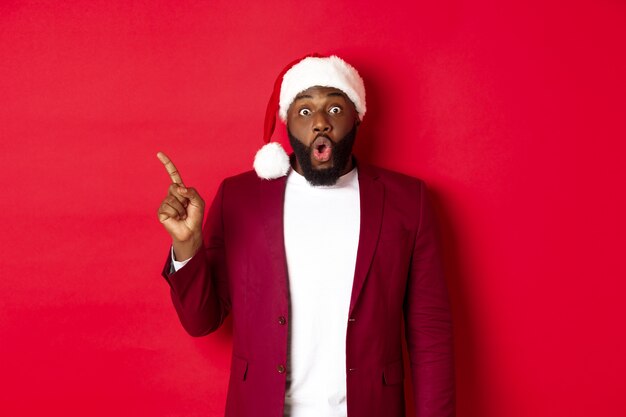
(372, 195)
(271, 208)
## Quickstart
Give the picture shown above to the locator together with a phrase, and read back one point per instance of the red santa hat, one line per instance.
(271, 161)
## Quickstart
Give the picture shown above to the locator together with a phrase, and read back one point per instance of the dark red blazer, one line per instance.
(242, 270)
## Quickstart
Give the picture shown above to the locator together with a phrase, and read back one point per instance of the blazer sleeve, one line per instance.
(428, 321)
(199, 290)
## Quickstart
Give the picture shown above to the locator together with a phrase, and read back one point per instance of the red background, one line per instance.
(513, 113)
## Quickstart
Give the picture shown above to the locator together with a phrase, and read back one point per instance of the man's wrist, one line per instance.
(183, 250)
(176, 265)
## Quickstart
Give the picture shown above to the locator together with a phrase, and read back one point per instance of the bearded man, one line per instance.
(321, 259)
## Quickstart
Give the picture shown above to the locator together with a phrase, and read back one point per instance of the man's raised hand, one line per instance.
(181, 213)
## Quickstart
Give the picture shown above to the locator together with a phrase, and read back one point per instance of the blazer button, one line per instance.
(282, 320)
(281, 369)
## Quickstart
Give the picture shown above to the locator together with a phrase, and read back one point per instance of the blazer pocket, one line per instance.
(239, 368)
(393, 373)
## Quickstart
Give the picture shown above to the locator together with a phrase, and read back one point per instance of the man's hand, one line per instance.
(181, 213)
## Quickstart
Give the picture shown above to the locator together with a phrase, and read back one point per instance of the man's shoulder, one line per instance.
(248, 183)
(391, 177)
(405, 193)
(243, 178)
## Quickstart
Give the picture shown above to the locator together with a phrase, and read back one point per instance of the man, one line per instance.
(320, 258)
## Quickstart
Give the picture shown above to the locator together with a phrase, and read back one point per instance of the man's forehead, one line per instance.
(319, 91)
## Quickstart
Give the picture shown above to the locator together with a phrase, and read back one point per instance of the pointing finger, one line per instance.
(171, 168)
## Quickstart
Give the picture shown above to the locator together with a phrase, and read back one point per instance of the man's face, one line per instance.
(321, 123)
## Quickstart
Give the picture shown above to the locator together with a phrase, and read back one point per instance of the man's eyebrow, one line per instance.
(334, 93)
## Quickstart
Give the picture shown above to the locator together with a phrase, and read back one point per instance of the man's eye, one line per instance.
(335, 110)
(304, 112)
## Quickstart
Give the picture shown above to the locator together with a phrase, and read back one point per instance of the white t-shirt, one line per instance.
(321, 226)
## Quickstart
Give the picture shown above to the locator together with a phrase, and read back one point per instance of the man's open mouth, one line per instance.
(322, 149)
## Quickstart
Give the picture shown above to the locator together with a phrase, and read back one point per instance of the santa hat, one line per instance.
(271, 161)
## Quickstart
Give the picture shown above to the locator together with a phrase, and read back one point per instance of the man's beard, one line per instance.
(341, 153)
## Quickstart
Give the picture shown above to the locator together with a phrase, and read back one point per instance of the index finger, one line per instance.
(171, 168)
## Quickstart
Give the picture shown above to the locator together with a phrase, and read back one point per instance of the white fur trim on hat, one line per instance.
(329, 71)
(271, 161)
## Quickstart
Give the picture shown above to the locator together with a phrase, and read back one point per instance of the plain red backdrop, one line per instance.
(512, 112)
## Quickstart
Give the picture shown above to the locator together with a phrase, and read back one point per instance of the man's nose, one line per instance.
(321, 123)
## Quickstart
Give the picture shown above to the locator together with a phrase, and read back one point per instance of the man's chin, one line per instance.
(320, 166)
(319, 175)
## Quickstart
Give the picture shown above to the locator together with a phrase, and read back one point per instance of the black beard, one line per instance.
(342, 151)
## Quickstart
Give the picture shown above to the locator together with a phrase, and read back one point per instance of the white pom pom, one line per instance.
(271, 161)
